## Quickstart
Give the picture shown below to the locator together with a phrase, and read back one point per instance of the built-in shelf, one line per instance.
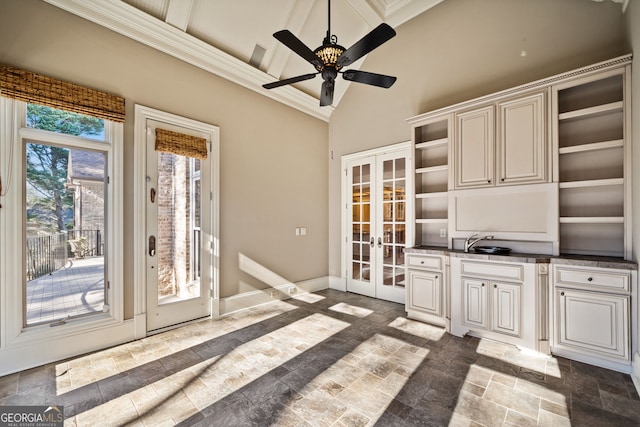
(430, 169)
(592, 220)
(592, 111)
(594, 146)
(431, 220)
(592, 183)
(432, 144)
(434, 195)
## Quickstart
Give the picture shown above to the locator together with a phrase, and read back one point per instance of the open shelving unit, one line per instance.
(590, 128)
(432, 153)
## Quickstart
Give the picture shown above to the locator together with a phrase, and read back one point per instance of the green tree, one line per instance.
(47, 165)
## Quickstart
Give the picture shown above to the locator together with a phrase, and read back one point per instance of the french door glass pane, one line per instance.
(178, 246)
(393, 223)
(361, 221)
(65, 232)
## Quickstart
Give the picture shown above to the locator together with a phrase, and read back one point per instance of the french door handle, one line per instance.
(372, 242)
(153, 195)
(152, 245)
(379, 242)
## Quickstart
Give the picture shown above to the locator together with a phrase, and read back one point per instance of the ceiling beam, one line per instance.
(178, 13)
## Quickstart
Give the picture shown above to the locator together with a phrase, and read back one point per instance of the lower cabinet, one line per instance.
(502, 300)
(426, 298)
(592, 315)
(488, 300)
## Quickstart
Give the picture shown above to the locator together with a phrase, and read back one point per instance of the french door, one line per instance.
(376, 223)
(177, 219)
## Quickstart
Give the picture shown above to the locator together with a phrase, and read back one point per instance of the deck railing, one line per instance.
(46, 254)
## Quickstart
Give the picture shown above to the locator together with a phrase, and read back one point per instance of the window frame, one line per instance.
(22, 347)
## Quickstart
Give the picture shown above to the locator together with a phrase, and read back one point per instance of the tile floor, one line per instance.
(324, 359)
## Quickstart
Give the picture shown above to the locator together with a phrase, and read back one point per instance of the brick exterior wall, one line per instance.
(173, 246)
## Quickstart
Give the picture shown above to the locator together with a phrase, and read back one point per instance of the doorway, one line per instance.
(375, 218)
(179, 229)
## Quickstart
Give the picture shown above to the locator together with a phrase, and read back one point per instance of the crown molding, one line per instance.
(124, 19)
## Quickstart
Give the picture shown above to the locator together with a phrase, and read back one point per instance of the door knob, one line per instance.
(379, 242)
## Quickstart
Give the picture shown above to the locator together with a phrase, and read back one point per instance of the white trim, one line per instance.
(124, 19)
(281, 292)
(338, 283)
(22, 348)
(635, 374)
(142, 115)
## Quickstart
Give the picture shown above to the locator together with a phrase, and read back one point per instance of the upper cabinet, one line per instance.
(474, 147)
(522, 143)
(566, 137)
(502, 144)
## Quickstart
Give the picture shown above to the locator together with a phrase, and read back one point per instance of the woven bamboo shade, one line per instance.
(181, 144)
(37, 89)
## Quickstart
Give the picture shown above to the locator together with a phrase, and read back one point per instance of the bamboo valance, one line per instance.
(38, 89)
(181, 144)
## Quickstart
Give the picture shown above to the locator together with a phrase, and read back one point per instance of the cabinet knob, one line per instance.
(590, 279)
(489, 181)
(502, 179)
(436, 276)
(561, 294)
(495, 286)
(421, 262)
(483, 285)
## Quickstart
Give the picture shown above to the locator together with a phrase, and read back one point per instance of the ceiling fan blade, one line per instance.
(365, 77)
(289, 81)
(375, 38)
(326, 93)
(287, 38)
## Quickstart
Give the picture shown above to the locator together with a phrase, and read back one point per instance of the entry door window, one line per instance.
(179, 240)
(393, 221)
(361, 223)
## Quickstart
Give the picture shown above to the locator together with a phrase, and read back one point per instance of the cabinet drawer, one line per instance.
(425, 261)
(493, 270)
(593, 279)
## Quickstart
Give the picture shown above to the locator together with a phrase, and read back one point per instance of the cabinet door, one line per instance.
(474, 148)
(506, 308)
(474, 303)
(522, 140)
(593, 323)
(425, 292)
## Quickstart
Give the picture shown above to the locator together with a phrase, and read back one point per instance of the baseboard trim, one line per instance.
(338, 283)
(635, 374)
(285, 291)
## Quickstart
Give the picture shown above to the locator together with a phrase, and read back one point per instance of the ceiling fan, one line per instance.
(330, 58)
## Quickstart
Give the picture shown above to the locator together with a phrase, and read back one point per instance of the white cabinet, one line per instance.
(496, 300)
(501, 299)
(516, 155)
(474, 147)
(427, 297)
(593, 309)
(592, 323)
(522, 143)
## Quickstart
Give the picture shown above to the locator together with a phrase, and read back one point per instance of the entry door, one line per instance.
(177, 218)
(377, 220)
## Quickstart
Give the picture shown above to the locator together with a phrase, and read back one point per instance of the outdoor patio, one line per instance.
(75, 289)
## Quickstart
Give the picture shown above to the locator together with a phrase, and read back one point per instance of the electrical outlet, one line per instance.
(443, 232)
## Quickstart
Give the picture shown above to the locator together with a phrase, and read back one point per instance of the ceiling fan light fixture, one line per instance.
(329, 54)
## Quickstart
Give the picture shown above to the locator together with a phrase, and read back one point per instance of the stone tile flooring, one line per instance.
(324, 359)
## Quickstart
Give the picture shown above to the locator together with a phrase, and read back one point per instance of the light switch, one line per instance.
(303, 231)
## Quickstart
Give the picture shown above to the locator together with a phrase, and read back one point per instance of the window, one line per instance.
(61, 252)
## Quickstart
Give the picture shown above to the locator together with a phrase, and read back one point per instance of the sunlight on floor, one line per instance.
(419, 329)
(351, 310)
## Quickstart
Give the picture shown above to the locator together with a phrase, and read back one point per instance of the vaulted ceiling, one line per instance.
(234, 38)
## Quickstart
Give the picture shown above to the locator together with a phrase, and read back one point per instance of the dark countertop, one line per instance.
(580, 260)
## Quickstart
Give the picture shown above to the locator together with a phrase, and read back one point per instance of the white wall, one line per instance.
(273, 162)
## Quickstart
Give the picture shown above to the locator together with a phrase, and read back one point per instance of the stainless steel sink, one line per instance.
(491, 250)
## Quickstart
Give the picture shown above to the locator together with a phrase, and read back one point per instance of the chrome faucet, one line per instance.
(470, 241)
